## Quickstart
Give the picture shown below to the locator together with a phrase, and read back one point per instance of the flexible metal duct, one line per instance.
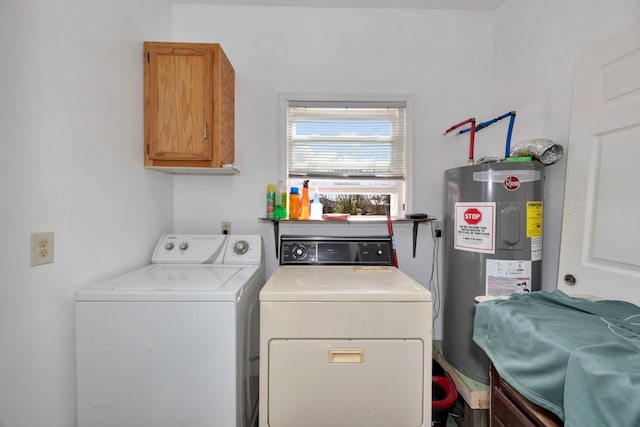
(545, 150)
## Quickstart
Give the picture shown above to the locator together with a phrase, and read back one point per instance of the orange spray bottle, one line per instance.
(305, 203)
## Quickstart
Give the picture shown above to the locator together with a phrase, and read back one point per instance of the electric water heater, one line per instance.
(492, 246)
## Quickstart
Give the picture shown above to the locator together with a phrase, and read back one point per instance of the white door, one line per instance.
(600, 251)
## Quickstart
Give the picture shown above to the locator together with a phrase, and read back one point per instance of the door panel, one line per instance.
(600, 253)
(183, 82)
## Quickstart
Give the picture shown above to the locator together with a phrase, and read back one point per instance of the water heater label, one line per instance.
(536, 248)
(534, 219)
(475, 224)
(506, 277)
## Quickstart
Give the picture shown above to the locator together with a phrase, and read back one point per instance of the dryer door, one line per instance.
(337, 383)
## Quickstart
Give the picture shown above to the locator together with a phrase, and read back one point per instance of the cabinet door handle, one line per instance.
(205, 129)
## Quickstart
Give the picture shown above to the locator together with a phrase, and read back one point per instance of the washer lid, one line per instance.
(342, 283)
(168, 282)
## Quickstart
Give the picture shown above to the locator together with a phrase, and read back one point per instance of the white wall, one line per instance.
(433, 55)
(71, 137)
(455, 64)
(533, 70)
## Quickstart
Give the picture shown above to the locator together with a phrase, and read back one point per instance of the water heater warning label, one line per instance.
(474, 226)
(507, 277)
(534, 219)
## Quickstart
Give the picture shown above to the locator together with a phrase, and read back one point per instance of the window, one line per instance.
(353, 153)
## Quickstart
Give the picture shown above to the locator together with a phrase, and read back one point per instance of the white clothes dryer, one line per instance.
(174, 343)
(345, 337)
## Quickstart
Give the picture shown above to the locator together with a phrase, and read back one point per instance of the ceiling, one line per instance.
(380, 4)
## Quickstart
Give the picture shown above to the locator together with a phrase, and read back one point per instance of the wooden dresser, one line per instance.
(510, 408)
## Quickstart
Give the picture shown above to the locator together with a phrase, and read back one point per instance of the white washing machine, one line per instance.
(174, 343)
(345, 337)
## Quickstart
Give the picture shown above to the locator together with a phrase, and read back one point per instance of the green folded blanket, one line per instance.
(578, 358)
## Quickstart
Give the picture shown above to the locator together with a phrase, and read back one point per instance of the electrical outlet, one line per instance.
(225, 227)
(41, 248)
(436, 229)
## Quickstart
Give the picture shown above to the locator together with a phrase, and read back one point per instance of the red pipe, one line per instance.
(472, 135)
(393, 242)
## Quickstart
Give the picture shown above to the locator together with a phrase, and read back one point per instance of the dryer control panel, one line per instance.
(336, 250)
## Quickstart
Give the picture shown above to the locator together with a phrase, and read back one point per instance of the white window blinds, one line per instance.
(346, 139)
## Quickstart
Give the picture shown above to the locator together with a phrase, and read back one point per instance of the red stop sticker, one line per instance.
(472, 216)
(511, 183)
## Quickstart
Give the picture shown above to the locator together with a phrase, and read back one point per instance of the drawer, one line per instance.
(346, 382)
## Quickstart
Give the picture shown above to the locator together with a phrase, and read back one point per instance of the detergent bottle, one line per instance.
(271, 200)
(280, 211)
(305, 203)
(294, 203)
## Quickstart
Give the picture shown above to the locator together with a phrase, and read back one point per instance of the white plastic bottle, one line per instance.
(316, 207)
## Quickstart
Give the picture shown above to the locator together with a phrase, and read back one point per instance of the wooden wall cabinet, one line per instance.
(189, 101)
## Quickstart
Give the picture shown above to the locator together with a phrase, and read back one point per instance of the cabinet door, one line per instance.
(179, 110)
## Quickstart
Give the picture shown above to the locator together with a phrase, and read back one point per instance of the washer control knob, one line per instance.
(169, 246)
(184, 246)
(241, 247)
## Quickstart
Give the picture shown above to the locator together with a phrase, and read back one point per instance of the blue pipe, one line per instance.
(507, 148)
(512, 114)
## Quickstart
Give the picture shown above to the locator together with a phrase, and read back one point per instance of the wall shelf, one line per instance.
(194, 170)
(349, 221)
